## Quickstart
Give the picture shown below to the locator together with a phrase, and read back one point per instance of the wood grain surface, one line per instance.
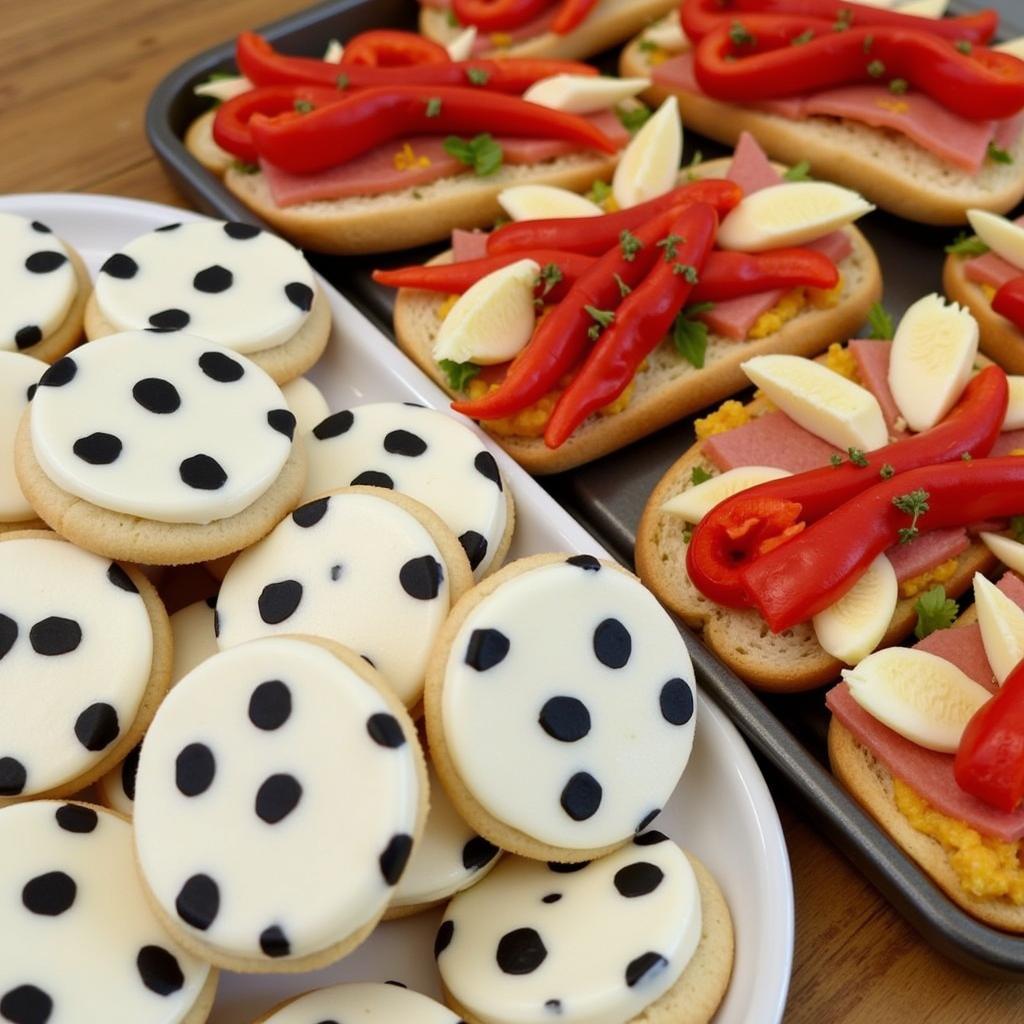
(75, 76)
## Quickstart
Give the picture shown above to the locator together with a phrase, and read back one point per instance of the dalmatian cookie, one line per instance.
(365, 1002)
(643, 934)
(194, 642)
(18, 377)
(43, 288)
(280, 792)
(84, 944)
(560, 707)
(372, 570)
(85, 656)
(230, 283)
(159, 452)
(427, 455)
(450, 857)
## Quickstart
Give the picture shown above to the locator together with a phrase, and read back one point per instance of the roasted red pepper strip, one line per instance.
(391, 48)
(989, 762)
(231, 122)
(807, 574)
(571, 14)
(1009, 302)
(498, 15)
(262, 65)
(562, 337)
(971, 426)
(980, 85)
(332, 135)
(594, 236)
(699, 17)
(641, 322)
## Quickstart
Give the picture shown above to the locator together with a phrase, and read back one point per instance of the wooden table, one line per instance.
(75, 76)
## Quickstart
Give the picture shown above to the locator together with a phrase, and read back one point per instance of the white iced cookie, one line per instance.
(598, 945)
(230, 283)
(77, 662)
(560, 707)
(361, 1003)
(425, 454)
(182, 432)
(278, 798)
(81, 942)
(18, 377)
(305, 399)
(368, 569)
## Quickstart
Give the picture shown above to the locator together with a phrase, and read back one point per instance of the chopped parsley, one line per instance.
(898, 86)
(836, 460)
(481, 153)
(244, 167)
(803, 39)
(967, 245)
(966, 457)
(869, 41)
(691, 167)
(647, 46)
(341, 81)
(740, 36)
(478, 76)
(1017, 528)
(550, 274)
(599, 191)
(876, 69)
(433, 106)
(669, 243)
(303, 106)
(699, 475)
(964, 46)
(690, 336)
(886, 472)
(857, 457)
(452, 18)
(998, 155)
(934, 611)
(458, 374)
(687, 270)
(915, 504)
(602, 318)
(880, 323)
(624, 288)
(629, 244)
(633, 118)
(798, 172)
(844, 19)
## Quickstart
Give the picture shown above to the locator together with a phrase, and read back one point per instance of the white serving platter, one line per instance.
(721, 810)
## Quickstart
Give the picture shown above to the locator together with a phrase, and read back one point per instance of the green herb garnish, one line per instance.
(934, 611)
(629, 244)
(599, 192)
(244, 167)
(602, 318)
(341, 81)
(478, 76)
(550, 275)
(740, 36)
(898, 86)
(964, 46)
(687, 270)
(967, 245)
(1017, 528)
(669, 243)
(886, 472)
(880, 323)
(857, 457)
(798, 172)
(433, 106)
(915, 504)
(876, 69)
(999, 155)
(624, 288)
(801, 40)
(303, 106)
(690, 336)
(691, 167)
(458, 374)
(699, 475)
(633, 118)
(836, 460)
(481, 153)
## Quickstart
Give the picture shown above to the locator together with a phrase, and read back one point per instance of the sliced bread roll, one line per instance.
(884, 166)
(200, 143)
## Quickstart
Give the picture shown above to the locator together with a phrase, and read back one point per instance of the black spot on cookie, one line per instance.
(567, 869)
(8, 633)
(277, 797)
(385, 730)
(487, 466)
(28, 336)
(486, 648)
(221, 367)
(274, 942)
(270, 705)
(77, 819)
(157, 395)
(54, 636)
(62, 372)
(651, 838)
(121, 266)
(554, 1005)
(638, 879)
(202, 473)
(198, 902)
(581, 796)
(170, 320)
(443, 938)
(421, 578)
(98, 449)
(278, 601)
(38, 225)
(50, 894)
(26, 1004)
(121, 579)
(551, 897)
(475, 546)
(676, 702)
(194, 769)
(213, 279)
(478, 853)
(586, 562)
(565, 718)
(159, 970)
(395, 857)
(373, 478)
(520, 951)
(12, 776)
(129, 771)
(283, 421)
(404, 442)
(311, 513)
(239, 231)
(299, 295)
(612, 643)
(45, 262)
(97, 726)
(645, 821)
(643, 967)
(169, 227)
(334, 425)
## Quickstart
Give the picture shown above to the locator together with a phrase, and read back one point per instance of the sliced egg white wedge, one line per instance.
(1014, 418)
(854, 626)
(584, 94)
(334, 52)
(1000, 234)
(667, 34)
(1008, 551)
(1013, 46)
(923, 697)
(1002, 627)
(535, 202)
(649, 165)
(931, 360)
(461, 47)
(493, 320)
(695, 503)
(924, 8)
(789, 214)
(820, 400)
(223, 89)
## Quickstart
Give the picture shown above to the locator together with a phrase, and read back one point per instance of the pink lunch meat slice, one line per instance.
(872, 358)
(769, 440)
(468, 245)
(1007, 442)
(927, 551)
(750, 167)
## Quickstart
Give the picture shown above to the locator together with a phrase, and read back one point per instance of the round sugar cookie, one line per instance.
(231, 283)
(43, 290)
(362, 1002)
(560, 707)
(84, 943)
(19, 375)
(642, 934)
(159, 452)
(367, 568)
(427, 455)
(85, 657)
(280, 791)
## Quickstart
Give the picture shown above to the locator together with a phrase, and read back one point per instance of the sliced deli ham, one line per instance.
(927, 551)
(750, 167)
(769, 440)
(872, 358)
(1007, 442)
(962, 647)
(468, 245)
(990, 269)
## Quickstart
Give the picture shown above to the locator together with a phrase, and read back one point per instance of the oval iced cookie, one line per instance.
(374, 571)
(449, 858)
(84, 943)
(427, 455)
(230, 283)
(85, 654)
(18, 377)
(365, 1002)
(606, 943)
(278, 798)
(158, 451)
(560, 707)
(43, 288)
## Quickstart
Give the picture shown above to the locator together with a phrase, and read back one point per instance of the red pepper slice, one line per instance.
(1009, 302)
(391, 48)
(498, 15)
(594, 236)
(980, 85)
(641, 321)
(807, 574)
(971, 426)
(332, 135)
(231, 123)
(699, 17)
(989, 762)
(571, 14)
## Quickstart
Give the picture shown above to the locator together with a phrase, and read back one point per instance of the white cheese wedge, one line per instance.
(649, 165)
(924, 8)
(1008, 551)
(461, 47)
(1002, 236)
(584, 94)
(493, 320)
(334, 52)
(1014, 418)
(790, 214)
(695, 503)
(931, 360)
(535, 202)
(667, 34)
(1002, 627)
(854, 626)
(924, 698)
(1014, 46)
(223, 89)
(820, 400)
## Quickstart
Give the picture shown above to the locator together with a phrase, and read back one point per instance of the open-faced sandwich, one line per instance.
(915, 111)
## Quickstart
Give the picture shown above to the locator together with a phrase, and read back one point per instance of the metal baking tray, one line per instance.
(786, 732)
